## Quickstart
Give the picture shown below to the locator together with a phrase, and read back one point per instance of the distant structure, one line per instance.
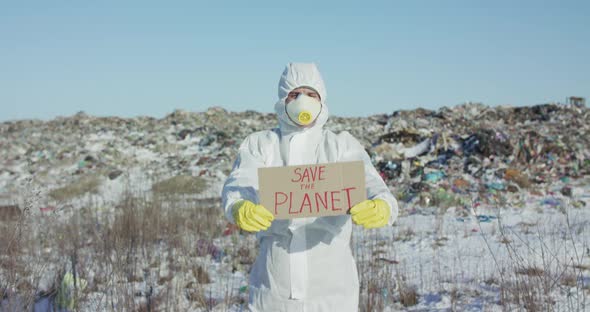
(576, 101)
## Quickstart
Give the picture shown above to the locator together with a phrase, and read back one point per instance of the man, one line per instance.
(304, 264)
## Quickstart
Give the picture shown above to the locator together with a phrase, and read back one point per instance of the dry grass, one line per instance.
(180, 185)
(582, 267)
(201, 275)
(116, 249)
(405, 235)
(16, 274)
(146, 254)
(10, 213)
(535, 273)
(380, 280)
(408, 296)
(87, 184)
(530, 271)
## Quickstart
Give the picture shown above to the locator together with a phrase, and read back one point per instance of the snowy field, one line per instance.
(518, 253)
(114, 214)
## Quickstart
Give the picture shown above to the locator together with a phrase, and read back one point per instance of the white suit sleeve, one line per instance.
(376, 187)
(242, 182)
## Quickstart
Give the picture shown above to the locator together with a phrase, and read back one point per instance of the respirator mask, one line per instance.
(304, 110)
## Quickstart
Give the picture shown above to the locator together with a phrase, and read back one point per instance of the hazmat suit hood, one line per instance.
(294, 76)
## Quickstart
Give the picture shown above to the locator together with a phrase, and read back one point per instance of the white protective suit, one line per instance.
(303, 264)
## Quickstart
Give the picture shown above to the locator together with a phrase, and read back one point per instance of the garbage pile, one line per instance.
(82, 148)
(455, 156)
(444, 157)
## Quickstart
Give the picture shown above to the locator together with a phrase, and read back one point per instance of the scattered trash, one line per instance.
(416, 150)
(579, 204)
(567, 191)
(66, 297)
(485, 218)
(499, 186)
(516, 176)
(388, 261)
(445, 199)
(434, 176)
(461, 184)
(47, 209)
(389, 169)
(115, 174)
(206, 247)
(553, 202)
(230, 229)
(480, 218)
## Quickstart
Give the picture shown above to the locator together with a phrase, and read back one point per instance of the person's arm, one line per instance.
(242, 182)
(376, 187)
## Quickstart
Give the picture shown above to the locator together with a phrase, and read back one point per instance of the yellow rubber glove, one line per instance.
(371, 213)
(251, 217)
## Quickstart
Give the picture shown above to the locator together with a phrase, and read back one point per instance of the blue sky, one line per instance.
(130, 58)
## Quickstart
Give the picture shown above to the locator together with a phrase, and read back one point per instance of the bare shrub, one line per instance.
(201, 275)
(18, 271)
(530, 282)
(408, 296)
(117, 249)
(10, 213)
(376, 274)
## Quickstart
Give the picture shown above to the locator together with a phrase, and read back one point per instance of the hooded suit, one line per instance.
(303, 264)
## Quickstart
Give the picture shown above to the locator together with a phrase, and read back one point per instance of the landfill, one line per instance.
(460, 159)
(466, 148)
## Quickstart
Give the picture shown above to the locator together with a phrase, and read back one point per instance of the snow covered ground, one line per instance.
(487, 261)
(532, 257)
(480, 228)
(515, 252)
(527, 252)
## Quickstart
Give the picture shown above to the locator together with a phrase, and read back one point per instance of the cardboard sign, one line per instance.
(312, 190)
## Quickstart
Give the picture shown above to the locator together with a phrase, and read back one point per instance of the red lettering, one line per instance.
(277, 201)
(347, 190)
(320, 175)
(306, 200)
(318, 199)
(314, 172)
(307, 186)
(291, 203)
(310, 174)
(305, 175)
(297, 172)
(334, 200)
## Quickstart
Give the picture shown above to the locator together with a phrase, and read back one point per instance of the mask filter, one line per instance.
(304, 110)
